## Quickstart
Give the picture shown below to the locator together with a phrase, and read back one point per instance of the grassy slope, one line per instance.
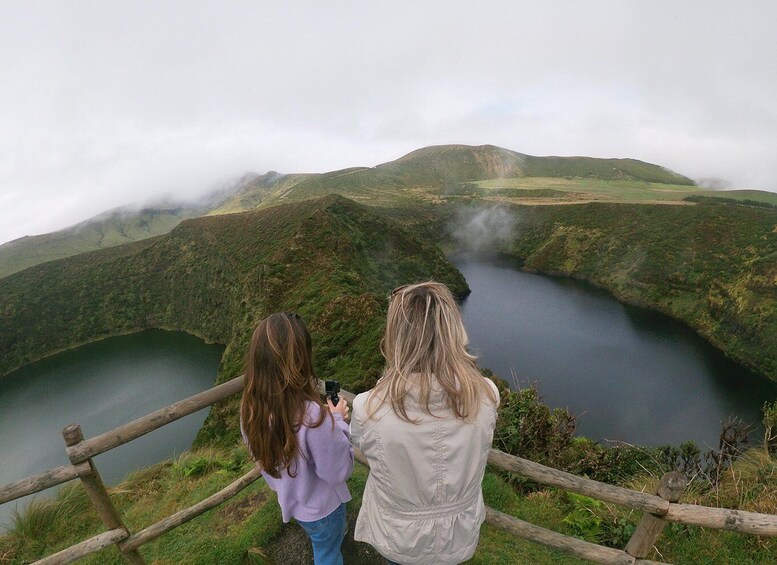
(435, 172)
(251, 523)
(99, 233)
(270, 186)
(250, 520)
(628, 191)
(713, 267)
(586, 189)
(602, 169)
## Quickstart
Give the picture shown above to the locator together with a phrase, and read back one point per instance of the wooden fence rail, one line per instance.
(658, 509)
(150, 422)
(37, 483)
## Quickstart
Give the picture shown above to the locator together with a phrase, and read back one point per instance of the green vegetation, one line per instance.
(331, 260)
(250, 524)
(728, 200)
(713, 267)
(585, 189)
(222, 535)
(270, 186)
(107, 230)
(433, 173)
(426, 175)
(303, 248)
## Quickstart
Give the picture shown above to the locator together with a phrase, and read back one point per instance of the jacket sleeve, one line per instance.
(330, 450)
(356, 426)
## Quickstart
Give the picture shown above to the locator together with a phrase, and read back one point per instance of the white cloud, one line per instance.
(102, 103)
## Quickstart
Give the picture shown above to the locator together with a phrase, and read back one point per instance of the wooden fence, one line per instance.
(657, 509)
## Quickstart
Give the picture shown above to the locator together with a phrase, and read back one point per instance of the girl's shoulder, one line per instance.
(312, 412)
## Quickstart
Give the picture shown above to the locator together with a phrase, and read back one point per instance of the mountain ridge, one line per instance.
(438, 169)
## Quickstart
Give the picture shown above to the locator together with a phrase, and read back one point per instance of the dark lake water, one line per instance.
(100, 386)
(628, 374)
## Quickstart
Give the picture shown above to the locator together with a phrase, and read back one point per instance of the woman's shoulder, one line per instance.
(366, 406)
(493, 386)
(361, 399)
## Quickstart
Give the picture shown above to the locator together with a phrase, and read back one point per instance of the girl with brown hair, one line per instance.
(426, 429)
(302, 448)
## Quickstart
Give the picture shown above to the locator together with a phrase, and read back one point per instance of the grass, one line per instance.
(222, 535)
(250, 523)
(592, 189)
(553, 190)
(98, 233)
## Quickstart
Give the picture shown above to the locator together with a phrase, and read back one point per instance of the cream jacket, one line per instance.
(423, 502)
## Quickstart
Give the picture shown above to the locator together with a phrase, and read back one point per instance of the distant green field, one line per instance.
(610, 190)
(757, 195)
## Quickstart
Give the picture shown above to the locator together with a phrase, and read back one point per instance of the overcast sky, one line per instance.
(107, 103)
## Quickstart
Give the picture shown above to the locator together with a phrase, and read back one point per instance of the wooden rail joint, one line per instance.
(98, 494)
(648, 530)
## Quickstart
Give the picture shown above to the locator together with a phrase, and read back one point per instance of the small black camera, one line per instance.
(332, 388)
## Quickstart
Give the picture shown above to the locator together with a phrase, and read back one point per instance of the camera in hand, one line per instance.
(332, 388)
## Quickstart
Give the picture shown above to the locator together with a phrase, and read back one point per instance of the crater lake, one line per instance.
(102, 385)
(627, 373)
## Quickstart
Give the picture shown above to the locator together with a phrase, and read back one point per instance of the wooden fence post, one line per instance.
(645, 536)
(99, 495)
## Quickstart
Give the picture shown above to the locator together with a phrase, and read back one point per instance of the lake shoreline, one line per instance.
(516, 262)
(651, 365)
(109, 336)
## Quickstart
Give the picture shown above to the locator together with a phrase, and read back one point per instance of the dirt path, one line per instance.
(292, 547)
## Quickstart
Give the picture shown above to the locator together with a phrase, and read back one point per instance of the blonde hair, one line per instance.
(426, 344)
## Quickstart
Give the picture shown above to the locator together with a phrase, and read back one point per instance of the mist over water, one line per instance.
(482, 228)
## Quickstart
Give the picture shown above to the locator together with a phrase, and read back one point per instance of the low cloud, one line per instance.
(479, 229)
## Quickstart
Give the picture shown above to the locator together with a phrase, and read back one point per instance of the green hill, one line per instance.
(713, 267)
(434, 172)
(425, 175)
(252, 194)
(461, 163)
(331, 260)
(125, 224)
(106, 230)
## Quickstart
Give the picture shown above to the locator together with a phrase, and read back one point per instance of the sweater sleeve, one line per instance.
(330, 450)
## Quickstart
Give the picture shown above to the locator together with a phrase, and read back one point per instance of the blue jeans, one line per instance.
(327, 535)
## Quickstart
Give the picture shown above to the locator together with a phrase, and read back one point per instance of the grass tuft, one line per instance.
(36, 519)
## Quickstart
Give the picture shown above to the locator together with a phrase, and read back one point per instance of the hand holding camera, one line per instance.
(333, 400)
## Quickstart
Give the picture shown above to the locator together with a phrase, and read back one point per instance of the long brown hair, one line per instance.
(425, 346)
(279, 381)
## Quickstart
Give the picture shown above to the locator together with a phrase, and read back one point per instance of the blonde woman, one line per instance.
(426, 429)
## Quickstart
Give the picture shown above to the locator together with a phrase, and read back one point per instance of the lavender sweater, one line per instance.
(323, 463)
